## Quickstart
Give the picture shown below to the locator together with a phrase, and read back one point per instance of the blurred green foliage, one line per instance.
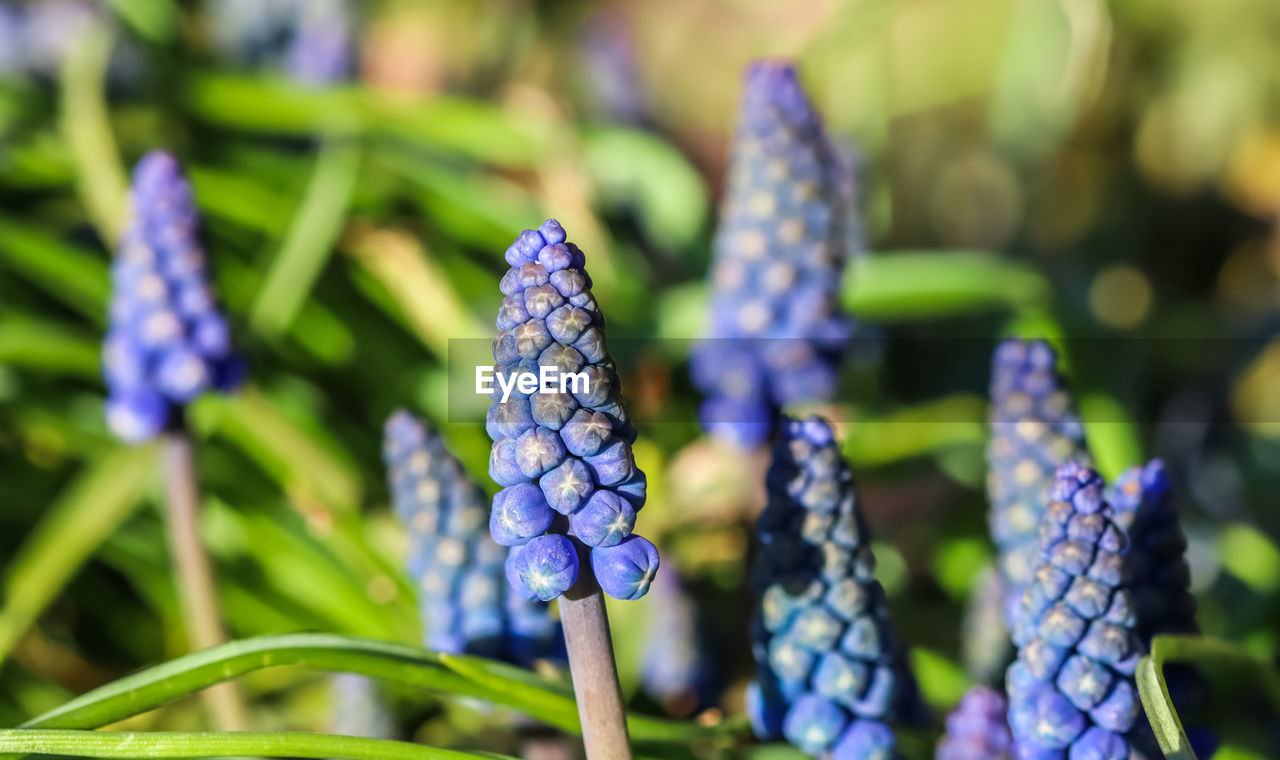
(1012, 155)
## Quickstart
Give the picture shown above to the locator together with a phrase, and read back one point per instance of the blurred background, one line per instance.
(1104, 174)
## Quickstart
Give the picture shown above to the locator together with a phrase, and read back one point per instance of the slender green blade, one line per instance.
(44, 346)
(88, 511)
(908, 285)
(207, 744)
(100, 179)
(74, 276)
(310, 240)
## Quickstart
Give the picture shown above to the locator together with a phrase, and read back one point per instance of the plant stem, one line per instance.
(595, 675)
(195, 578)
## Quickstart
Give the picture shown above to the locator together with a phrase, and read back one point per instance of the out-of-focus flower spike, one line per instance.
(776, 331)
(676, 669)
(1034, 430)
(829, 672)
(978, 728)
(467, 606)
(1071, 690)
(1143, 504)
(309, 40)
(562, 455)
(359, 708)
(168, 340)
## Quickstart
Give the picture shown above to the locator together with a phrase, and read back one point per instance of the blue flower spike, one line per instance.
(311, 41)
(1034, 430)
(829, 673)
(1071, 690)
(561, 436)
(978, 729)
(169, 341)
(466, 604)
(788, 225)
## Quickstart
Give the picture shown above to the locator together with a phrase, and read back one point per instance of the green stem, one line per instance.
(194, 575)
(203, 744)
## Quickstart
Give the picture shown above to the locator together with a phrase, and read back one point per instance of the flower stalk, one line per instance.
(594, 672)
(196, 591)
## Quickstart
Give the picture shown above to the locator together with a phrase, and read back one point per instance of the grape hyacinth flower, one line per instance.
(467, 607)
(1161, 587)
(829, 673)
(1071, 689)
(1034, 430)
(562, 453)
(977, 729)
(309, 40)
(11, 62)
(676, 668)
(169, 341)
(787, 227)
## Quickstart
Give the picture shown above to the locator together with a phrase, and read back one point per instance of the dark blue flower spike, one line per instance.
(829, 672)
(467, 606)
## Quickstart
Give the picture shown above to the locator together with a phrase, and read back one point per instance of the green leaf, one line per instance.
(480, 130)
(908, 285)
(310, 240)
(72, 275)
(1251, 556)
(308, 471)
(100, 178)
(77, 523)
(462, 676)
(206, 744)
(925, 428)
(1154, 692)
(153, 19)
(1113, 439)
(636, 167)
(39, 345)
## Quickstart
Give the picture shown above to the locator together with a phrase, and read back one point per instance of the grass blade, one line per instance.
(205, 744)
(909, 285)
(88, 511)
(100, 178)
(76, 277)
(311, 238)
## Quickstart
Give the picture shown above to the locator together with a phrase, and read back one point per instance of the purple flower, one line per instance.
(626, 569)
(776, 331)
(1034, 430)
(978, 728)
(461, 573)
(828, 669)
(168, 341)
(564, 450)
(1072, 689)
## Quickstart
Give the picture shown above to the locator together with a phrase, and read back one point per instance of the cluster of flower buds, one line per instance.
(561, 436)
(1071, 689)
(829, 672)
(978, 728)
(1034, 430)
(309, 40)
(787, 226)
(1161, 587)
(169, 341)
(466, 605)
